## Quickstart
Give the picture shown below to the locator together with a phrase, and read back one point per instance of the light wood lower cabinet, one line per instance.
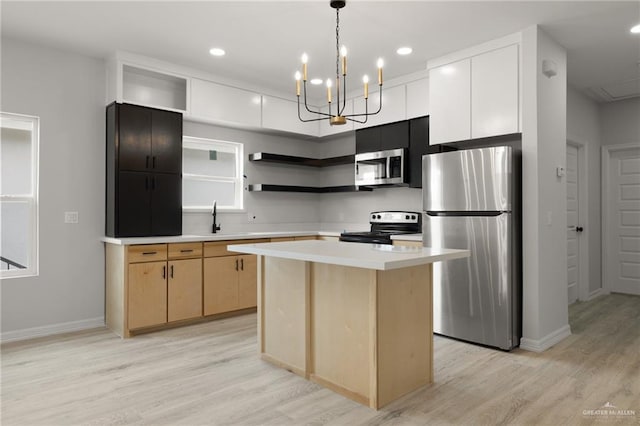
(229, 283)
(147, 294)
(184, 289)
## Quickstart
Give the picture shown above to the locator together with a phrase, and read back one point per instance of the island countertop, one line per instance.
(367, 256)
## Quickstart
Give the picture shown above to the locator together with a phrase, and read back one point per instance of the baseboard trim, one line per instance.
(49, 330)
(547, 341)
(596, 293)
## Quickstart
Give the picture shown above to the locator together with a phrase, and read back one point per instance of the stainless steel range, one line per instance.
(384, 225)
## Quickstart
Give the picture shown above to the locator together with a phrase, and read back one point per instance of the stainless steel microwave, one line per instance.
(381, 167)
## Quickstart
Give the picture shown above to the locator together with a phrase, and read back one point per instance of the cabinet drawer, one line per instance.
(185, 250)
(219, 248)
(147, 253)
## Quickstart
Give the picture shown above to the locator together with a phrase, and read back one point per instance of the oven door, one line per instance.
(380, 168)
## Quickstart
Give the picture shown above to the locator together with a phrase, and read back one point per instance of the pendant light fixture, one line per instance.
(336, 115)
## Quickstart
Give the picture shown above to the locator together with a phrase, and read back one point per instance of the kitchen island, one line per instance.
(355, 318)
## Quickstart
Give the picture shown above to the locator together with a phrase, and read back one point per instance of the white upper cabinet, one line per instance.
(327, 129)
(418, 98)
(216, 102)
(450, 102)
(281, 114)
(394, 103)
(476, 97)
(494, 93)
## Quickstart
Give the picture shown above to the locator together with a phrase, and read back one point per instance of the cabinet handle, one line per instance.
(164, 272)
(171, 271)
(153, 162)
(242, 264)
(186, 251)
(148, 253)
(236, 264)
(153, 183)
(146, 162)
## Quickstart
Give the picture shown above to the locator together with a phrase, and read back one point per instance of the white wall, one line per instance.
(545, 314)
(67, 92)
(620, 122)
(284, 211)
(583, 126)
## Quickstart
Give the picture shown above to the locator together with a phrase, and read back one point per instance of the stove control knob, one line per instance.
(379, 217)
(413, 216)
(373, 216)
(407, 217)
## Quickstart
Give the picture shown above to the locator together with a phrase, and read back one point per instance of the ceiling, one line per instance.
(265, 39)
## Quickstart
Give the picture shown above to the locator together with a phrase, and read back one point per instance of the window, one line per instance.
(211, 171)
(18, 195)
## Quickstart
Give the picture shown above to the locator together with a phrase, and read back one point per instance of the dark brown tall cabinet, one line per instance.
(144, 171)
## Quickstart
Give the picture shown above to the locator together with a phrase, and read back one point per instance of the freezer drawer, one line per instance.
(473, 297)
(468, 180)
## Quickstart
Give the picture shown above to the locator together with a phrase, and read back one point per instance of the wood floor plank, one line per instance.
(210, 374)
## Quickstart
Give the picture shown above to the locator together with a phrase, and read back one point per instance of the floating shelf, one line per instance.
(301, 161)
(260, 187)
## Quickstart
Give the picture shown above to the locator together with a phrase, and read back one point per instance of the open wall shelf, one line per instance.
(260, 187)
(266, 157)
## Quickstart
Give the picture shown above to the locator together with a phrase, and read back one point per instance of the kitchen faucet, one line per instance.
(215, 227)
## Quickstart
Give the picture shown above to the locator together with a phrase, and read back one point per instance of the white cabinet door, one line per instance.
(494, 93)
(281, 114)
(326, 129)
(219, 103)
(394, 103)
(418, 98)
(450, 102)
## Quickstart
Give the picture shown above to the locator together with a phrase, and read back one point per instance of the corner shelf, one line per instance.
(266, 157)
(261, 187)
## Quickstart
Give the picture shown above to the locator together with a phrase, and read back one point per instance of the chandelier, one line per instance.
(336, 113)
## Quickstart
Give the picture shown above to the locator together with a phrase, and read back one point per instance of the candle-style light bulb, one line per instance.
(305, 59)
(329, 84)
(380, 65)
(365, 80)
(298, 77)
(343, 53)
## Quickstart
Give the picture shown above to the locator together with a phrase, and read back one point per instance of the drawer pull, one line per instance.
(148, 253)
(186, 251)
(236, 264)
(242, 264)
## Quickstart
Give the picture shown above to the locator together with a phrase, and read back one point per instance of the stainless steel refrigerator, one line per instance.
(471, 200)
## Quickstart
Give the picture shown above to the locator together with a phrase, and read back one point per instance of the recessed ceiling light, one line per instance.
(404, 50)
(216, 51)
(316, 81)
(636, 29)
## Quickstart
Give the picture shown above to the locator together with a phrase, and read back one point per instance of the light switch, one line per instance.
(70, 217)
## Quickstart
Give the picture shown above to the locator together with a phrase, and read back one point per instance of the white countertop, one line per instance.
(368, 256)
(214, 237)
(236, 236)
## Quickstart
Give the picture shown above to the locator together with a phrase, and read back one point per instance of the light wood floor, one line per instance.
(210, 374)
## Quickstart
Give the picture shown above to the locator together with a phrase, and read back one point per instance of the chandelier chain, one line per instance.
(337, 44)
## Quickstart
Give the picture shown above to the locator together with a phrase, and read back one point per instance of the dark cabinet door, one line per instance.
(133, 209)
(418, 145)
(134, 138)
(166, 204)
(394, 135)
(166, 141)
(368, 140)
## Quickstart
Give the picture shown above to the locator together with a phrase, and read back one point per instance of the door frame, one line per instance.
(583, 206)
(607, 152)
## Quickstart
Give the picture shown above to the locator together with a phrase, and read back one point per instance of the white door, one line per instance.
(623, 221)
(573, 223)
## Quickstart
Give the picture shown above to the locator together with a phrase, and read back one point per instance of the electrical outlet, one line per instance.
(70, 217)
(251, 217)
